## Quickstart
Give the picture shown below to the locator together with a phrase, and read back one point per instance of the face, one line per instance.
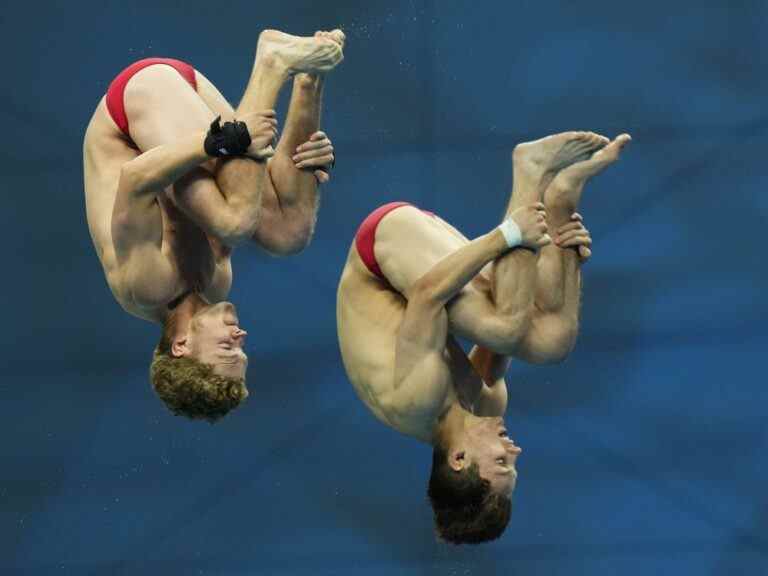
(215, 338)
(487, 444)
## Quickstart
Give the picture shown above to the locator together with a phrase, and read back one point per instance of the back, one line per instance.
(105, 150)
(368, 316)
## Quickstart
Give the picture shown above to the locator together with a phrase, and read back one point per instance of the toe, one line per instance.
(597, 140)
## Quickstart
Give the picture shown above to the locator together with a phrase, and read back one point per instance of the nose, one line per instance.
(239, 333)
(511, 447)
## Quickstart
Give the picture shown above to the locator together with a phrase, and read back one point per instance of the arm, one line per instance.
(422, 378)
(137, 225)
(492, 367)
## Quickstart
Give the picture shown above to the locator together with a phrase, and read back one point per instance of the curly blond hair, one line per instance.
(189, 387)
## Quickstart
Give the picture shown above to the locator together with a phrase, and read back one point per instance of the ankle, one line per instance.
(309, 82)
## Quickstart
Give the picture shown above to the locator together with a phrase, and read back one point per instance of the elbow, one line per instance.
(424, 290)
(131, 177)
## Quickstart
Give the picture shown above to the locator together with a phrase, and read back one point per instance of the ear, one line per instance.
(457, 460)
(179, 347)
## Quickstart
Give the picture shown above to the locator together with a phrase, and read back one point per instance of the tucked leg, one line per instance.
(555, 322)
(226, 198)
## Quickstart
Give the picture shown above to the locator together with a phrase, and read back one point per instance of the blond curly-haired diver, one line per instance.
(412, 282)
(174, 178)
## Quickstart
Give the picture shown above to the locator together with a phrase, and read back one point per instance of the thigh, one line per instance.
(162, 108)
(161, 105)
(409, 243)
(213, 98)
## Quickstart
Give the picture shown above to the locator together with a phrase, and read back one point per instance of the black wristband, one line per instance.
(231, 139)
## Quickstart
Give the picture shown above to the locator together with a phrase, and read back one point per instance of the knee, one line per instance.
(509, 330)
(291, 237)
(292, 243)
(552, 340)
(238, 229)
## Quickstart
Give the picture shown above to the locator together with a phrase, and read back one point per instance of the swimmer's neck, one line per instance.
(450, 424)
(183, 313)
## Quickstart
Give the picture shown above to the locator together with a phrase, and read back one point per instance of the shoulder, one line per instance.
(423, 393)
(136, 289)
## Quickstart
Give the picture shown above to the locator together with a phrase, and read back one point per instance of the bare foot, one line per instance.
(541, 160)
(567, 186)
(336, 35)
(314, 55)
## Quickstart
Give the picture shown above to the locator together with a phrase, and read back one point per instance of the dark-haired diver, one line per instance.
(412, 281)
(169, 191)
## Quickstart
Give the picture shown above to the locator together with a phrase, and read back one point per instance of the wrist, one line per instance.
(497, 242)
(511, 232)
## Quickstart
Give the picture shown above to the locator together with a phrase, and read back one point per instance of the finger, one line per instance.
(576, 216)
(584, 253)
(266, 129)
(313, 154)
(322, 176)
(316, 152)
(570, 234)
(322, 161)
(581, 240)
(319, 135)
(328, 150)
(313, 145)
(570, 226)
(267, 113)
(544, 240)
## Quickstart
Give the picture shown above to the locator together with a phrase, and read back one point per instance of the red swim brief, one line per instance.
(366, 236)
(117, 87)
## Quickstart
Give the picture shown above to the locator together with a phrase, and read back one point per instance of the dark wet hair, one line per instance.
(466, 510)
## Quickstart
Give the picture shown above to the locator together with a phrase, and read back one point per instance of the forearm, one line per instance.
(444, 280)
(158, 168)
